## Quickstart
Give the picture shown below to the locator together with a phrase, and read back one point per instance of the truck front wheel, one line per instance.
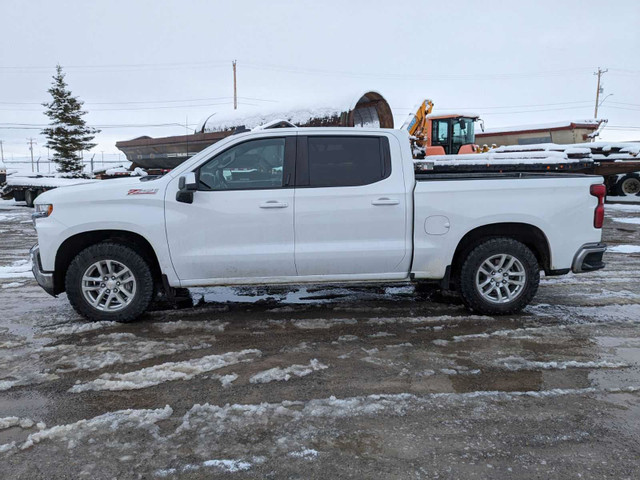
(30, 197)
(500, 276)
(109, 281)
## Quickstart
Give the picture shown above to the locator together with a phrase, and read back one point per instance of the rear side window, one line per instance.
(342, 161)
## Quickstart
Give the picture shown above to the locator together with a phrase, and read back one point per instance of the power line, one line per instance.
(630, 109)
(301, 70)
(32, 126)
(404, 76)
(219, 63)
(161, 107)
(623, 103)
(534, 111)
(514, 106)
(145, 102)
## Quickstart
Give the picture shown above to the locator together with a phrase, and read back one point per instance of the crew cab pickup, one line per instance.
(314, 205)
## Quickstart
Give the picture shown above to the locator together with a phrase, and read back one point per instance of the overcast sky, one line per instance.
(163, 62)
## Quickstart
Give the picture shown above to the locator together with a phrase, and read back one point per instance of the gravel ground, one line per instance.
(328, 382)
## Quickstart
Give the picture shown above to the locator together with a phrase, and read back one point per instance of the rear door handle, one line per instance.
(274, 204)
(385, 201)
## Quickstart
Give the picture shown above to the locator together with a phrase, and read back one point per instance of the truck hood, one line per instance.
(105, 190)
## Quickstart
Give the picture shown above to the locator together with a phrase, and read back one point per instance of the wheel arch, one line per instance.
(528, 234)
(78, 242)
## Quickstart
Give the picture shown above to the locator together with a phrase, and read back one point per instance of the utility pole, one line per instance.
(1, 152)
(102, 153)
(599, 90)
(186, 132)
(31, 142)
(235, 89)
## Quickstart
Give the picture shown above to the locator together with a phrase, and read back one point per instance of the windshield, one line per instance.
(463, 133)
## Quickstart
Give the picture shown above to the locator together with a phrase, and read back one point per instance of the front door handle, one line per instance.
(274, 204)
(385, 201)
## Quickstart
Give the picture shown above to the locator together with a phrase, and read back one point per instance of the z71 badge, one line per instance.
(143, 191)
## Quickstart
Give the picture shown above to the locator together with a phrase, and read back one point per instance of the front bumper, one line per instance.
(589, 258)
(44, 279)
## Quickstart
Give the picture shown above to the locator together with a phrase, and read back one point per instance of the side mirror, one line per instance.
(187, 184)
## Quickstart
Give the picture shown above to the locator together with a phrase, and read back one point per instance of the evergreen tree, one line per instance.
(67, 134)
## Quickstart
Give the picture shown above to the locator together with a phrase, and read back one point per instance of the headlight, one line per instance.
(42, 210)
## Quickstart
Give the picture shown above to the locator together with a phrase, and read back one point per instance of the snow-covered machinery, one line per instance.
(368, 109)
(441, 133)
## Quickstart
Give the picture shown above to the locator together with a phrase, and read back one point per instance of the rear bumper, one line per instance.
(589, 258)
(44, 279)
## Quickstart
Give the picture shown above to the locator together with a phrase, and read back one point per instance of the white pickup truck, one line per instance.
(314, 205)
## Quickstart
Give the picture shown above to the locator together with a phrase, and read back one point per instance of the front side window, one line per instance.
(342, 161)
(463, 133)
(256, 164)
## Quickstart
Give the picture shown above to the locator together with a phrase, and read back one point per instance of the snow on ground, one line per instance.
(624, 249)
(27, 378)
(73, 433)
(117, 348)
(516, 363)
(10, 217)
(207, 418)
(322, 323)
(284, 374)
(48, 362)
(172, 327)
(308, 453)
(580, 314)
(439, 319)
(8, 422)
(18, 269)
(516, 334)
(165, 372)
(382, 334)
(633, 220)
(633, 199)
(229, 466)
(623, 207)
(76, 327)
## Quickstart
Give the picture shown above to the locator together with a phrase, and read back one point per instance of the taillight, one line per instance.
(598, 191)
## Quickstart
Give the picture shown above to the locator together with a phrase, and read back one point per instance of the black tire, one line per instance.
(629, 185)
(126, 256)
(29, 197)
(470, 292)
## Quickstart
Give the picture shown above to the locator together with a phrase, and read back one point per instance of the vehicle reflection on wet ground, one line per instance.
(324, 382)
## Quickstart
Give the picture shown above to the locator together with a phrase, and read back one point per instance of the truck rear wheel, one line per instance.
(628, 185)
(499, 277)
(109, 281)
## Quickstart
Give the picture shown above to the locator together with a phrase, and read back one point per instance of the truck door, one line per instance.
(350, 218)
(240, 224)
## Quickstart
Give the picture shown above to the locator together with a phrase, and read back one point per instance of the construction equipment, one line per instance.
(440, 134)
